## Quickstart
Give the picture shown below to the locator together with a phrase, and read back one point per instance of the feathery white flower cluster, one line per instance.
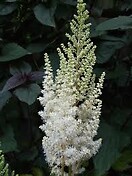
(71, 104)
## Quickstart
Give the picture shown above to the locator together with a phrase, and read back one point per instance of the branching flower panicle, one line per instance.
(71, 101)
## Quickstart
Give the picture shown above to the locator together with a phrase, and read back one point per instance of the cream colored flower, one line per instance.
(71, 104)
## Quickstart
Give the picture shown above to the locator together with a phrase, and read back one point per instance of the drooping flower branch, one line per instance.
(71, 101)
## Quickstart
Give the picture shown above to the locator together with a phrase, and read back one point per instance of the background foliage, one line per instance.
(28, 28)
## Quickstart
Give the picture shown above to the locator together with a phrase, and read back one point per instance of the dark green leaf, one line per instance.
(36, 47)
(63, 12)
(44, 15)
(8, 142)
(38, 172)
(100, 5)
(124, 38)
(12, 51)
(29, 155)
(23, 68)
(119, 71)
(104, 4)
(99, 71)
(126, 5)
(93, 31)
(11, 0)
(36, 76)
(118, 116)
(70, 2)
(28, 94)
(54, 58)
(124, 161)
(7, 9)
(26, 175)
(13, 82)
(106, 49)
(4, 97)
(120, 74)
(113, 142)
(131, 72)
(121, 22)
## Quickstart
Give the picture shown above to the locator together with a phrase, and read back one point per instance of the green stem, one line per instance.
(62, 166)
(70, 171)
(63, 161)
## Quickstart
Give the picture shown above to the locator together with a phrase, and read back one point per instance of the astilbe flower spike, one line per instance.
(71, 101)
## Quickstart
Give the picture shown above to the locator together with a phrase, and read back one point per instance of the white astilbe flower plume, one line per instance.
(71, 101)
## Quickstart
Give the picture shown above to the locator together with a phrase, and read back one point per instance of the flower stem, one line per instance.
(62, 166)
(70, 171)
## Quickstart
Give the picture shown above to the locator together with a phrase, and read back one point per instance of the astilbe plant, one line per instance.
(71, 101)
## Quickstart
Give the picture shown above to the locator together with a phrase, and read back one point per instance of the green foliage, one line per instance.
(121, 22)
(4, 97)
(4, 168)
(124, 161)
(12, 51)
(28, 28)
(44, 15)
(6, 9)
(113, 142)
(28, 94)
(8, 142)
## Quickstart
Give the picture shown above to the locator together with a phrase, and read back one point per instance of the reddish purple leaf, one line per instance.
(14, 81)
(36, 76)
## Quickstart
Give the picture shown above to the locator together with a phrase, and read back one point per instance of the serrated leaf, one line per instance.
(8, 142)
(4, 97)
(12, 51)
(14, 81)
(44, 15)
(28, 94)
(23, 68)
(6, 9)
(113, 142)
(121, 22)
